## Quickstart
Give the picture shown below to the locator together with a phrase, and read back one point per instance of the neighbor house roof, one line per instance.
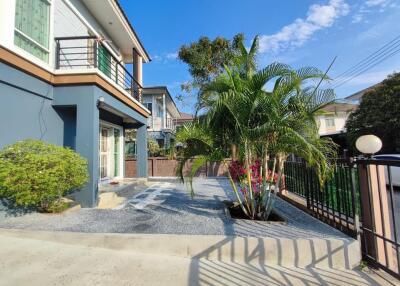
(359, 94)
(340, 107)
(186, 116)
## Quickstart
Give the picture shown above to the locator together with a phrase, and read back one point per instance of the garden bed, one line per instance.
(234, 211)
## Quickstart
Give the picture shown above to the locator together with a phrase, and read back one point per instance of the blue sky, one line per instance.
(295, 32)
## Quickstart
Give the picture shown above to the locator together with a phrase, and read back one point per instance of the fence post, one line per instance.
(355, 202)
(95, 50)
(375, 213)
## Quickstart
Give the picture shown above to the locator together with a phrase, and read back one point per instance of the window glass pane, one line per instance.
(330, 122)
(149, 106)
(32, 27)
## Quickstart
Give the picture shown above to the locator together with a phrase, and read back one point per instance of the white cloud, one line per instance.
(372, 3)
(165, 57)
(301, 30)
(357, 18)
(371, 6)
(172, 56)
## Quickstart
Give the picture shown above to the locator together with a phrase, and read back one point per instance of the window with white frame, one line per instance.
(32, 27)
(149, 106)
(330, 122)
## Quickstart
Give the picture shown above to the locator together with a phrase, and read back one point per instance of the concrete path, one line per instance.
(36, 259)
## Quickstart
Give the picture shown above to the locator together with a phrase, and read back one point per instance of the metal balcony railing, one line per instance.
(89, 52)
(170, 124)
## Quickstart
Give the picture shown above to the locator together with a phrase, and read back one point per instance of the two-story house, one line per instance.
(333, 120)
(332, 123)
(65, 79)
(164, 114)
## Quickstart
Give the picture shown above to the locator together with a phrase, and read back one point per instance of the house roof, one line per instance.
(186, 116)
(112, 18)
(359, 94)
(133, 30)
(159, 90)
(340, 106)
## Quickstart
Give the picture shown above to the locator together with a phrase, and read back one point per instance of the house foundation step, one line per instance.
(313, 252)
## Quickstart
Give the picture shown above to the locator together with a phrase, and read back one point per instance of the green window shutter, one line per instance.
(104, 61)
(32, 24)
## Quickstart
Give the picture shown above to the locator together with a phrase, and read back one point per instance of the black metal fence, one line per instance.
(88, 52)
(361, 198)
(336, 201)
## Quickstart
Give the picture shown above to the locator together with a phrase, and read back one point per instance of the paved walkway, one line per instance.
(167, 207)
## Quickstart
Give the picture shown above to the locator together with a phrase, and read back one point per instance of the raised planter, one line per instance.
(234, 211)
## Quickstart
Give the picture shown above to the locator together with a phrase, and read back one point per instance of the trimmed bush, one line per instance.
(35, 174)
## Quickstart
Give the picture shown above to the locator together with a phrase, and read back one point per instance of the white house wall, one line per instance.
(340, 122)
(66, 22)
(90, 22)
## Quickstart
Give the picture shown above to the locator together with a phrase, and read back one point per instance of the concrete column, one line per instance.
(87, 144)
(164, 112)
(141, 141)
(137, 67)
(376, 214)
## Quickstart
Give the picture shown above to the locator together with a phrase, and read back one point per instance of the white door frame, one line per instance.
(111, 153)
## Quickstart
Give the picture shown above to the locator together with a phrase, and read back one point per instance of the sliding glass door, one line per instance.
(111, 161)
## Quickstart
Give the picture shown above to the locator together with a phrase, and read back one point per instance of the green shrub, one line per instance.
(152, 146)
(34, 174)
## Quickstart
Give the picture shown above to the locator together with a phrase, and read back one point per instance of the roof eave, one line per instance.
(142, 51)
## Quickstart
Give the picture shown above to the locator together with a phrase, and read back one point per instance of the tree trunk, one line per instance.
(234, 154)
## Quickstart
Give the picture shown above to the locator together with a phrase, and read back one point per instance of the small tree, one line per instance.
(206, 58)
(35, 174)
(379, 114)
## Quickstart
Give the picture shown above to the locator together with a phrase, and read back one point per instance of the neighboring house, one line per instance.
(164, 115)
(333, 123)
(64, 80)
(185, 118)
(334, 119)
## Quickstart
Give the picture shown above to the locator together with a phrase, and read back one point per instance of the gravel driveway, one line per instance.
(166, 207)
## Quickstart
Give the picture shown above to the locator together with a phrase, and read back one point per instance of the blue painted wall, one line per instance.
(27, 112)
(66, 116)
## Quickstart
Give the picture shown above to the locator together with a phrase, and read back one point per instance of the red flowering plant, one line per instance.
(257, 192)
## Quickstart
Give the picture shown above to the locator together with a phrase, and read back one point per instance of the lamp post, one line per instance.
(369, 144)
(374, 203)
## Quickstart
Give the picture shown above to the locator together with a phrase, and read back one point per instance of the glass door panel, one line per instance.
(117, 152)
(104, 153)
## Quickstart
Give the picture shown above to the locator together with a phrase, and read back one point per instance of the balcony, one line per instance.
(87, 52)
(170, 125)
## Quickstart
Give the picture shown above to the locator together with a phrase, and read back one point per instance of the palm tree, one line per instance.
(264, 125)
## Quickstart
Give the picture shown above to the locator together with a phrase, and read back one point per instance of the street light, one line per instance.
(369, 144)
